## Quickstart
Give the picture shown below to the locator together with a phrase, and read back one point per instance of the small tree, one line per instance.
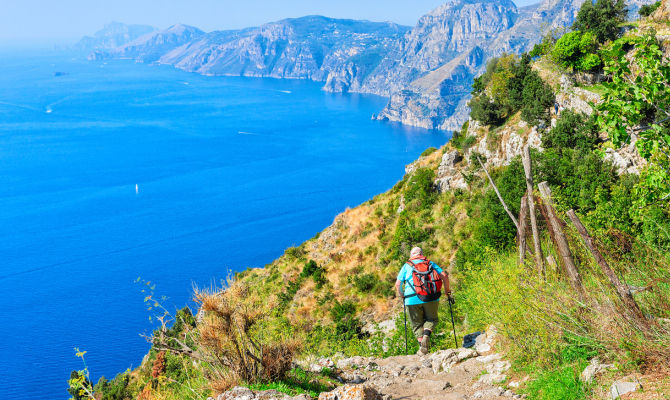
(602, 18)
(577, 51)
(537, 98)
(648, 9)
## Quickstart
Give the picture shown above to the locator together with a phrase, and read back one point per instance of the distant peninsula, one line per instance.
(425, 71)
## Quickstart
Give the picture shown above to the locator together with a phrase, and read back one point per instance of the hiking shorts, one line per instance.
(423, 316)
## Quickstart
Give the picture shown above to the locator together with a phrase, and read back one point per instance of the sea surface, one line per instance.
(110, 171)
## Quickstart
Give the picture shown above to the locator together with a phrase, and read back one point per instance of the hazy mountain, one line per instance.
(426, 71)
(152, 46)
(112, 36)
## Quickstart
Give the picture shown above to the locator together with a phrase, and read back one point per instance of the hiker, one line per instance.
(422, 301)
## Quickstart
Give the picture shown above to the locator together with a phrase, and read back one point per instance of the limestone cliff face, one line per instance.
(299, 48)
(453, 44)
(438, 99)
(440, 36)
(426, 71)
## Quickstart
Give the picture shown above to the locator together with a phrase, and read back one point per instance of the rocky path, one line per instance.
(454, 374)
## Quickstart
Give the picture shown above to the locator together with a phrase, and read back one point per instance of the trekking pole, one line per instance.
(453, 325)
(405, 316)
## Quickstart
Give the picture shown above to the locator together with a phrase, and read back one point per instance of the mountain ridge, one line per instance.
(381, 58)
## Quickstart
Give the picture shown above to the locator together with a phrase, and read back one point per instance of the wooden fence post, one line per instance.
(621, 288)
(561, 240)
(521, 232)
(527, 167)
(516, 224)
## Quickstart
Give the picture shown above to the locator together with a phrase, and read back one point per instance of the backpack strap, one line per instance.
(410, 264)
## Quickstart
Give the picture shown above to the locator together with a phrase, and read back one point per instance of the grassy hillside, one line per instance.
(326, 295)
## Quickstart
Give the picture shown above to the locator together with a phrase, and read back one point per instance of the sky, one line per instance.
(65, 21)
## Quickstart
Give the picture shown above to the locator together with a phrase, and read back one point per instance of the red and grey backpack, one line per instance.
(427, 282)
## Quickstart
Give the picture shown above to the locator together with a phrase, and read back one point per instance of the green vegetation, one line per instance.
(428, 151)
(508, 86)
(317, 298)
(312, 269)
(602, 18)
(299, 381)
(648, 9)
(577, 51)
(573, 131)
(638, 99)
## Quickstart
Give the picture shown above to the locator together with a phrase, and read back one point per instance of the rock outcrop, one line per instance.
(663, 12)
(594, 368)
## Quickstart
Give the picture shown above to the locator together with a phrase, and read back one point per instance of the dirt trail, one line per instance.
(454, 374)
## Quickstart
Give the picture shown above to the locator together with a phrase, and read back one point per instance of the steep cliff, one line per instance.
(471, 32)
(426, 71)
(304, 48)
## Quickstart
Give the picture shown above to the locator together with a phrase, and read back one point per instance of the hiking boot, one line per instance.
(425, 344)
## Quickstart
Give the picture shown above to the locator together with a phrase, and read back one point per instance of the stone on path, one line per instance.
(352, 392)
(594, 369)
(620, 388)
(243, 393)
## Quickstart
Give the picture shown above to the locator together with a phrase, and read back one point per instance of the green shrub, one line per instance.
(295, 252)
(83, 384)
(406, 234)
(544, 47)
(347, 326)
(484, 110)
(511, 86)
(537, 97)
(365, 283)
(458, 137)
(603, 19)
(420, 192)
(116, 389)
(287, 295)
(312, 269)
(371, 284)
(577, 51)
(573, 131)
(428, 151)
(648, 9)
(579, 179)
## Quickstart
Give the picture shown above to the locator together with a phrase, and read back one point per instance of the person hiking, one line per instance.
(422, 280)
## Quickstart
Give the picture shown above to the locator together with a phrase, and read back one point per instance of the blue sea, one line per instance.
(110, 171)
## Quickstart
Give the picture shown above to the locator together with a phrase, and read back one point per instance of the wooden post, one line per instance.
(527, 167)
(521, 232)
(516, 224)
(550, 260)
(561, 240)
(621, 288)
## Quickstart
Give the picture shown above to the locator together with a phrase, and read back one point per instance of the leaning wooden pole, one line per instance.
(516, 224)
(527, 167)
(561, 240)
(521, 232)
(621, 288)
